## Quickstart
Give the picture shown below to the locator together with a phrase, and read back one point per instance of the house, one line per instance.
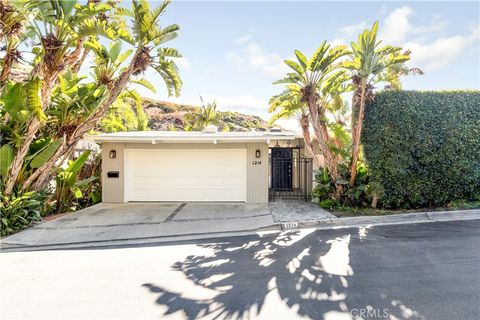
(249, 167)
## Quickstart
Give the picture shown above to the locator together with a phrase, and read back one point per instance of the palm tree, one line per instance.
(368, 63)
(148, 38)
(11, 34)
(61, 27)
(287, 105)
(206, 116)
(316, 79)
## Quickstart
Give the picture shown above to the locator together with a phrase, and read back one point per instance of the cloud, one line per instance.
(255, 57)
(429, 52)
(397, 26)
(243, 39)
(439, 52)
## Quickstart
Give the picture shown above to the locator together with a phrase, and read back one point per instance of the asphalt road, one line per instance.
(411, 271)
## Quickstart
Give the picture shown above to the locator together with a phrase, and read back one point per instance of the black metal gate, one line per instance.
(290, 175)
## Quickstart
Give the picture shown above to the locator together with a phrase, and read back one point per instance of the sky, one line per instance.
(233, 51)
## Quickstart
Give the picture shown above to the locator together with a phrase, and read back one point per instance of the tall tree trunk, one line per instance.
(17, 163)
(89, 123)
(321, 132)
(39, 172)
(49, 78)
(305, 125)
(356, 135)
(7, 68)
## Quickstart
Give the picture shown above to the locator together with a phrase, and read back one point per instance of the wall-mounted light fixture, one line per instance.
(258, 154)
(112, 154)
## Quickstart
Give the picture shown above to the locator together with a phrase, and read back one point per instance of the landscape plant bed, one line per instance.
(354, 212)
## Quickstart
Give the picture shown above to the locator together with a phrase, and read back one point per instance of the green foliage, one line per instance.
(19, 211)
(423, 148)
(124, 115)
(207, 115)
(329, 197)
(6, 158)
(68, 187)
(44, 154)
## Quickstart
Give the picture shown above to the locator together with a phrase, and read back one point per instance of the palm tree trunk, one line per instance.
(47, 174)
(356, 135)
(40, 171)
(321, 132)
(7, 68)
(17, 163)
(72, 140)
(305, 124)
(50, 77)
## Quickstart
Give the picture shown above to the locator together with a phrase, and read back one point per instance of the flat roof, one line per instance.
(191, 136)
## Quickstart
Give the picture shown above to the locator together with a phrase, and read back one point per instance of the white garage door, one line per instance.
(186, 175)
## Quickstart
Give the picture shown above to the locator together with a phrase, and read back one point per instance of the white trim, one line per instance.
(125, 176)
(155, 137)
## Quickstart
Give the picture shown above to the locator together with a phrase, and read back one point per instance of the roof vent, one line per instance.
(210, 129)
(275, 129)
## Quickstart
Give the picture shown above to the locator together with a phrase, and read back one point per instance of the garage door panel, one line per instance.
(192, 171)
(186, 175)
(162, 182)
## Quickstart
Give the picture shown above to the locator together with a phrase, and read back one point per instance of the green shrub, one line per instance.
(423, 148)
(357, 195)
(19, 211)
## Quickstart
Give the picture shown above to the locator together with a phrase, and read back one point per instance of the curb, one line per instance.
(133, 242)
(336, 223)
(402, 218)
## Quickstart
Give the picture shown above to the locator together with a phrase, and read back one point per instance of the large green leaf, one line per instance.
(145, 83)
(115, 51)
(14, 99)
(67, 6)
(302, 59)
(6, 159)
(79, 162)
(295, 66)
(33, 98)
(45, 155)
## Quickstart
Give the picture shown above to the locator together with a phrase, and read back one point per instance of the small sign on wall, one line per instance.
(256, 162)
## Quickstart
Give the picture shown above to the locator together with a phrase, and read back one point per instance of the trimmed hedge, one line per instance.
(423, 148)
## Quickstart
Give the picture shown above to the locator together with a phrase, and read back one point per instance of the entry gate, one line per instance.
(290, 175)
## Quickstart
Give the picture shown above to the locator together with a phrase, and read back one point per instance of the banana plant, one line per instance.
(148, 37)
(207, 115)
(287, 105)
(68, 188)
(61, 27)
(368, 63)
(317, 80)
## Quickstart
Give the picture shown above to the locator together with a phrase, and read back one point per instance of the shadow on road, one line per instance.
(312, 273)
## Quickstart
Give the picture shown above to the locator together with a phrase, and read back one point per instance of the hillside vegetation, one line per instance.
(171, 116)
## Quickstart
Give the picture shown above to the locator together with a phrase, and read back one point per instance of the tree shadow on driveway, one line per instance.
(311, 273)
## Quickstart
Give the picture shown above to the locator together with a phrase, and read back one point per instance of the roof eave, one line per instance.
(211, 139)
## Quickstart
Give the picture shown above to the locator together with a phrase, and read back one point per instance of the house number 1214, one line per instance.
(256, 162)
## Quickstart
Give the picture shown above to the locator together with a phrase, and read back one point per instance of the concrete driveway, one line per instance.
(141, 221)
